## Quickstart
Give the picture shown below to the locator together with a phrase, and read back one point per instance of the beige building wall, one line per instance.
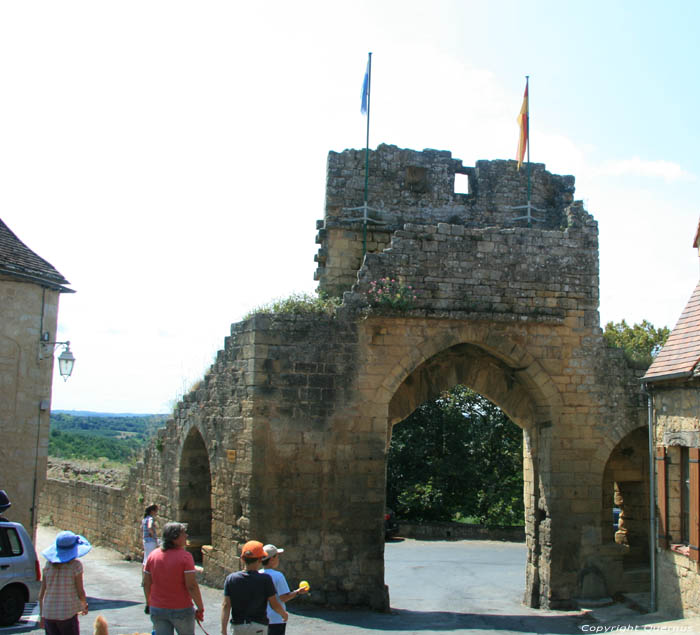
(676, 425)
(26, 310)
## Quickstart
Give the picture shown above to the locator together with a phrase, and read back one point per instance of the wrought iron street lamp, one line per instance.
(66, 360)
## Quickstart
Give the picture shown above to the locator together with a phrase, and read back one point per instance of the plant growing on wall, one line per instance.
(299, 303)
(388, 293)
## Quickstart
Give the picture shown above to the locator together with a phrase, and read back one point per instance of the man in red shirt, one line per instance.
(170, 584)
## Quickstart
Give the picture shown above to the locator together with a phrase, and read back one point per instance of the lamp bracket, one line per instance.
(47, 349)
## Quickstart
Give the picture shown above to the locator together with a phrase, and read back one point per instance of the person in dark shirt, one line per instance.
(247, 593)
(4, 505)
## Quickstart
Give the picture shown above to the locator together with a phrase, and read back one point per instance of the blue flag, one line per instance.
(365, 91)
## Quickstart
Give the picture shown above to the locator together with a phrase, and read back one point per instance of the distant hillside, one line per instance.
(101, 435)
(90, 413)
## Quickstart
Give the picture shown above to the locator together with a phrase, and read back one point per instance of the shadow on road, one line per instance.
(101, 604)
(405, 620)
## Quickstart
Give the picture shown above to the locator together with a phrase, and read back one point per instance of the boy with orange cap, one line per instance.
(247, 593)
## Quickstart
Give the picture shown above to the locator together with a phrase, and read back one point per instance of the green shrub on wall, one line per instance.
(299, 303)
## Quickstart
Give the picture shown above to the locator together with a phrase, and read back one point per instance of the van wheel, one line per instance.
(11, 606)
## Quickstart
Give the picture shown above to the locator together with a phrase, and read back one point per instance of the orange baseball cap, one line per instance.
(253, 549)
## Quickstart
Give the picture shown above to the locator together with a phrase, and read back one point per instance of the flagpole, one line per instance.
(364, 220)
(524, 125)
(527, 129)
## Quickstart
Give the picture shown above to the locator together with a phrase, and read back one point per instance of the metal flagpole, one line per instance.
(527, 132)
(528, 205)
(364, 218)
(365, 205)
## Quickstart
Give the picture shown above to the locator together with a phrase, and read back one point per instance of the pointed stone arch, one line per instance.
(510, 369)
(194, 492)
(494, 365)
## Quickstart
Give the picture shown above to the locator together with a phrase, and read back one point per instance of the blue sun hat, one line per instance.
(68, 546)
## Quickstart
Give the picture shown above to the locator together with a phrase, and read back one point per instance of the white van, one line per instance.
(20, 574)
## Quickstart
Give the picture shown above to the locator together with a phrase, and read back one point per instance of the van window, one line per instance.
(10, 544)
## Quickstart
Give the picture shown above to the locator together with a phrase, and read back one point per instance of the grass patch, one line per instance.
(298, 304)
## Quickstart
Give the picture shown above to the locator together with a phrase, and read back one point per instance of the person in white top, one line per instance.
(270, 564)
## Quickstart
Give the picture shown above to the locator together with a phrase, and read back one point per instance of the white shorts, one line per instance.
(148, 546)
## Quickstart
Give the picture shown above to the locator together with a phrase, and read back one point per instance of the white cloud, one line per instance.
(667, 170)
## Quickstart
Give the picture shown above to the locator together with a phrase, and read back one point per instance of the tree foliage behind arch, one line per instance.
(458, 456)
(640, 343)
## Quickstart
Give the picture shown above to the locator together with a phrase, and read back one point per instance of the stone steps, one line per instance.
(636, 580)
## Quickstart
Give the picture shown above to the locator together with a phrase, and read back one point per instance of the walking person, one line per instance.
(149, 535)
(170, 584)
(270, 565)
(62, 594)
(149, 531)
(247, 594)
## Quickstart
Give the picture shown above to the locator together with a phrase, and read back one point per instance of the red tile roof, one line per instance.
(681, 353)
(18, 261)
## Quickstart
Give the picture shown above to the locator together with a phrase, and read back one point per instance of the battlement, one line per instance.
(407, 187)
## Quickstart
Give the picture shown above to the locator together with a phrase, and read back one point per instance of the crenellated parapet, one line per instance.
(406, 187)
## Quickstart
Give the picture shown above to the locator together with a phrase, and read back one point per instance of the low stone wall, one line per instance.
(98, 512)
(460, 531)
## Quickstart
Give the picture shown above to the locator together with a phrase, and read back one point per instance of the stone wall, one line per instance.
(26, 311)
(678, 590)
(285, 439)
(102, 514)
(460, 531)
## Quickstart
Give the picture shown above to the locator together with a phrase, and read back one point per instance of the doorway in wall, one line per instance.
(195, 493)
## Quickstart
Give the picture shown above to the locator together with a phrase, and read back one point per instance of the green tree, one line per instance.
(458, 456)
(641, 342)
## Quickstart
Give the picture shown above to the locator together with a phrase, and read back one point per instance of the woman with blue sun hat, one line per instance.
(62, 595)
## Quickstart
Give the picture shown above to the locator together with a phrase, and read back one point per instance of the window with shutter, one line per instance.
(662, 495)
(694, 496)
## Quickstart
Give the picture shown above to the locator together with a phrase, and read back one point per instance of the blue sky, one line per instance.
(177, 149)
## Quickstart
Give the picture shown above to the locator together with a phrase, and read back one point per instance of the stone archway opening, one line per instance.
(194, 507)
(457, 459)
(625, 511)
(506, 387)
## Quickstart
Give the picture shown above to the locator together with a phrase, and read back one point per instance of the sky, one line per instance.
(168, 158)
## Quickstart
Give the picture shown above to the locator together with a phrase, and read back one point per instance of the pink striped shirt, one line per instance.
(61, 600)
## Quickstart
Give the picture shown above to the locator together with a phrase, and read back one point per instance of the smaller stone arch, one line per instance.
(194, 492)
(626, 487)
(623, 554)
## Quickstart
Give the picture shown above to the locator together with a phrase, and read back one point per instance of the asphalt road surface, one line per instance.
(435, 587)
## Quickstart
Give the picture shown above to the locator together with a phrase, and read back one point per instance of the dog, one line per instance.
(100, 627)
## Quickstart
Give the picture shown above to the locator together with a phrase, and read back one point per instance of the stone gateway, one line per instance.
(286, 437)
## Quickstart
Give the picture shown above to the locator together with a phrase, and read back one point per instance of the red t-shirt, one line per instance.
(167, 570)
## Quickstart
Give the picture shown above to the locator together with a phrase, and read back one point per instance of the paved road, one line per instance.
(435, 587)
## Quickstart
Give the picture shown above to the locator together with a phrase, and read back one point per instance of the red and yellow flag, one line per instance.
(524, 125)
